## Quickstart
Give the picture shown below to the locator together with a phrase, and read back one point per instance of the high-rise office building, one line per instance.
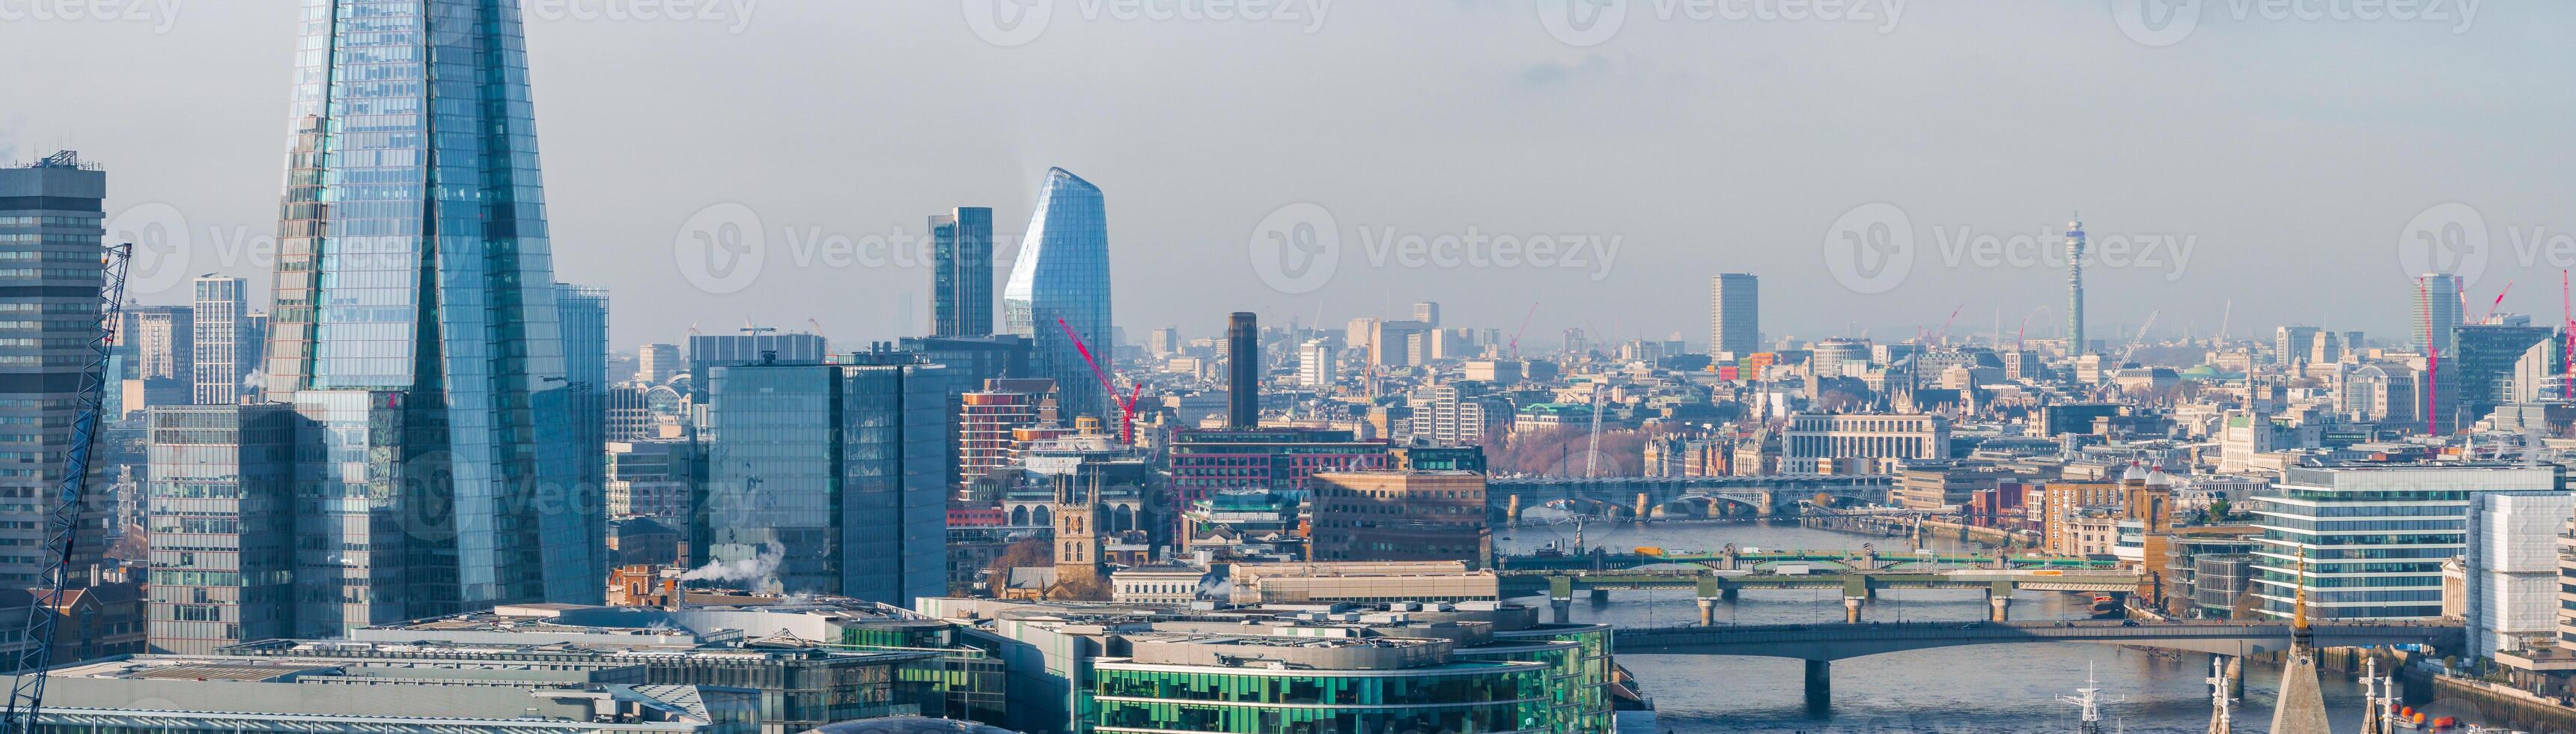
(828, 478)
(1061, 282)
(415, 318)
(2437, 311)
(2293, 344)
(161, 339)
(1735, 314)
(1243, 371)
(961, 279)
(220, 507)
(584, 312)
(1427, 312)
(221, 332)
(2368, 542)
(708, 351)
(2478, 368)
(1315, 363)
(658, 363)
(652, 478)
(254, 351)
(2075, 343)
(50, 213)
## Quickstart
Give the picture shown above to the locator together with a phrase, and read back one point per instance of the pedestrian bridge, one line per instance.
(1826, 642)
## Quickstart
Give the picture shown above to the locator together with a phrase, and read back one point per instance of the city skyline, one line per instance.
(2128, 166)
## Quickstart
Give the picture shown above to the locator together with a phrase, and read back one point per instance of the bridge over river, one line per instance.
(1716, 586)
(1820, 644)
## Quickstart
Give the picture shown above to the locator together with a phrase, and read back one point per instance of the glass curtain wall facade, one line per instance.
(962, 273)
(1062, 274)
(2369, 542)
(221, 333)
(827, 479)
(219, 506)
(415, 309)
(50, 233)
(1459, 697)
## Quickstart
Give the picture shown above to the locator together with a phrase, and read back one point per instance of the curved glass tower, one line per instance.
(1062, 274)
(415, 320)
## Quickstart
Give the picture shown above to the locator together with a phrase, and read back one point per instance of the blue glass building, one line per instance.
(1062, 274)
(961, 281)
(827, 478)
(415, 320)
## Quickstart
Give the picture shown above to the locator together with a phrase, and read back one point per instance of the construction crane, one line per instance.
(70, 493)
(2142, 336)
(1943, 337)
(2499, 302)
(1513, 351)
(1127, 407)
(1592, 452)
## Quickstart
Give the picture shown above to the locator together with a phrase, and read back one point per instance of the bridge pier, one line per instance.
(2235, 674)
(1708, 611)
(1512, 508)
(1998, 608)
(1728, 594)
(1560, 609)
(1851, 615)
(1600, 597)
(1820, 685)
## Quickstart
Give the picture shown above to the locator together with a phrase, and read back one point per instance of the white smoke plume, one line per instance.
(748, 569)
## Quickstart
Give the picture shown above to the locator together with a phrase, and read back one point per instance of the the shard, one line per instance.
(415, 322)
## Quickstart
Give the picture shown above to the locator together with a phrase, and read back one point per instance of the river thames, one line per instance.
(1994, 689)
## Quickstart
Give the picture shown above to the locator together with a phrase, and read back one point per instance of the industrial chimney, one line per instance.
(1243, 364)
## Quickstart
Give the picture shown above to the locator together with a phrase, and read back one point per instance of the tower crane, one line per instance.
(1127, 407)
(1592, 454)
(2142, 337)
(70, 493)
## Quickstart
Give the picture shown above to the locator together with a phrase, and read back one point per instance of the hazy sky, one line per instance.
(2288, 156)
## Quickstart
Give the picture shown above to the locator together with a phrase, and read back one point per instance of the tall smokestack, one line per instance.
(1243, 364)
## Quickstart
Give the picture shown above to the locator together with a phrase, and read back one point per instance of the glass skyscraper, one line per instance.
(827, 478)
(221, 336)
(51, 229)
(1063, 275)
(961, 281)
(415, 319)
(584, 310)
